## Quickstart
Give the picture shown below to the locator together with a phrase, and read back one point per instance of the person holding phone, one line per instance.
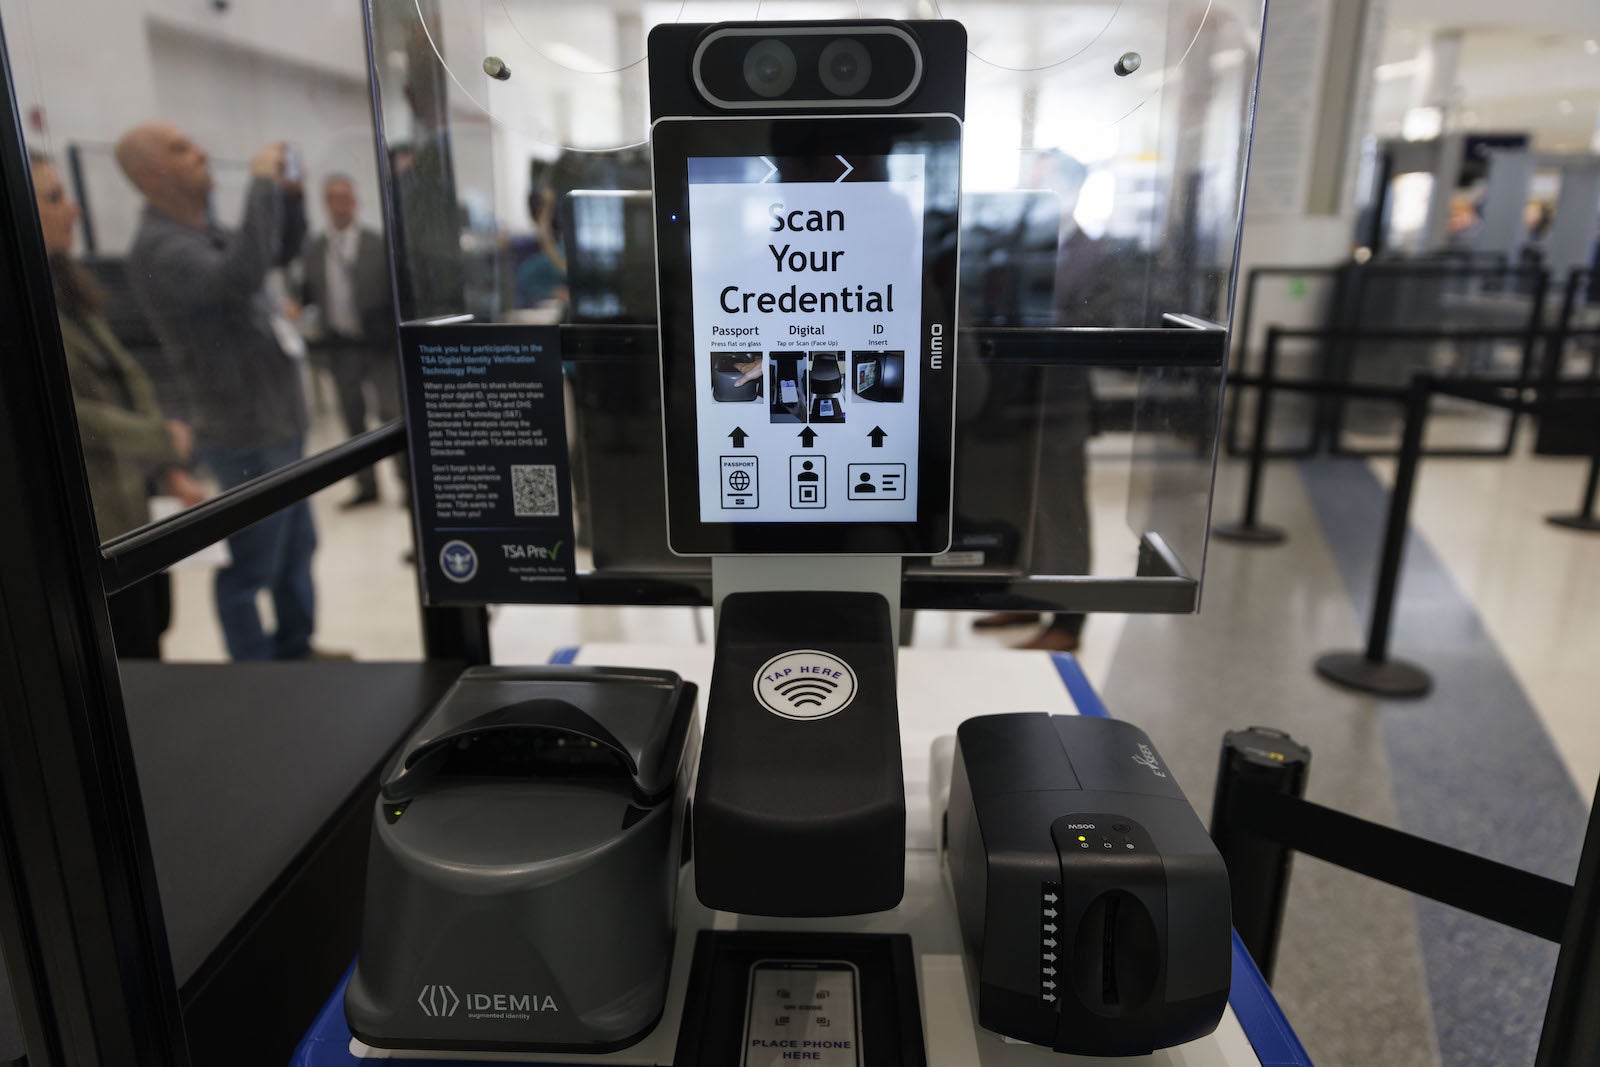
(202, 287)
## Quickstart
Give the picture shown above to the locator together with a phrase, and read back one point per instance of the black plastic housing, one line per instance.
(529, 828)
(940, 87)
(1093, 905)
(792, 816)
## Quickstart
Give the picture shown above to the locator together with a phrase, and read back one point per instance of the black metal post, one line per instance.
(1556, 342)
(1372, 671)
(81, 924)
(1527, 367)
(1247, 531)
(457, 633)
(1571, 1032)
(1258, 869)
(1584, 519)
(1246, 323)
(80, 190)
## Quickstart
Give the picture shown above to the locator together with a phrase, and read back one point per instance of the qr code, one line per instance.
(533, 492)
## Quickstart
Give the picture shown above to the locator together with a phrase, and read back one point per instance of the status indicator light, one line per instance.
(1082, 838)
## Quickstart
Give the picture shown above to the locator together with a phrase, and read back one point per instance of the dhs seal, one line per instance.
(458, 561)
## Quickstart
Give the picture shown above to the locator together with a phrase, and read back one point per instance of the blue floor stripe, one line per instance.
(1078, 686)
(1259, 1015)
(1470, 765)
(562, 657)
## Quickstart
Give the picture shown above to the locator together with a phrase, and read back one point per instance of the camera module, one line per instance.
(770, 68)
(844, 67)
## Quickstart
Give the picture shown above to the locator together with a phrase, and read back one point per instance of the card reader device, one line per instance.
(1093, 905)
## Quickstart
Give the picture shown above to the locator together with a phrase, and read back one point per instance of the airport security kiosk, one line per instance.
(861, 381)
(806, 181)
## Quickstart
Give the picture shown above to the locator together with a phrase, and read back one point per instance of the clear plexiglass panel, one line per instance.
(1103, 164)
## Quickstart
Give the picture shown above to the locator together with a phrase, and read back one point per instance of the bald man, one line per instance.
(202, 289)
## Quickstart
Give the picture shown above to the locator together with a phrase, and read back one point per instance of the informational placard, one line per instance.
(807, 321)
(490, 476)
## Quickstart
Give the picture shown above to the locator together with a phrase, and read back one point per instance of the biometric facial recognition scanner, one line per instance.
(806, 189)
(531, 889)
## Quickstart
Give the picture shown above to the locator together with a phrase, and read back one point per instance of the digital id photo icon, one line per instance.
(808, 481)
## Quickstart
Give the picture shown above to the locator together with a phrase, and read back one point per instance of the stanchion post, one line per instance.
(1372, 671)
(1571, 1024)
(1247, 531)
(1584, 519)
(1258, 869)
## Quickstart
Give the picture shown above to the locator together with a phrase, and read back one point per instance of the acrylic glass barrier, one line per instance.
(205, 335)
(1104, 147)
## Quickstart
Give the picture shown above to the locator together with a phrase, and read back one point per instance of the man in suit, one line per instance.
(347, 280)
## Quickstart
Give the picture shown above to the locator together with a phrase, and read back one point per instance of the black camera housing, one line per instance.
(902, 68)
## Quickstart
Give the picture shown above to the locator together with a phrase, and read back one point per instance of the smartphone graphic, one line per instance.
(802, 1006)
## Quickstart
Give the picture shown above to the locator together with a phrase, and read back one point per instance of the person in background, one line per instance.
(1085, 295)
(541, 276)
(347, 283)
(129, 448)
(202, 289)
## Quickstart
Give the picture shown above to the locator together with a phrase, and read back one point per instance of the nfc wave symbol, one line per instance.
(805, 684)
(807, 690)
(438, 1001)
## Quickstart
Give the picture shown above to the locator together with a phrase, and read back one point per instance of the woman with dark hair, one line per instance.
(129, 448)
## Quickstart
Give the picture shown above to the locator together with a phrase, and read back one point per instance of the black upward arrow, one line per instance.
(808, 436)
(877, 434)
(738, 436)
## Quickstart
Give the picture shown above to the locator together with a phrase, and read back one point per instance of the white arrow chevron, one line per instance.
(1049, 998)
(772, 168)
(847, 169)
(1049, 913)
(1050, 943)
(1049, 928)
(1050, 956)
(455, 1001)
(1050, 898)
(1050, 971)
(1047, 985)
(422, 1000)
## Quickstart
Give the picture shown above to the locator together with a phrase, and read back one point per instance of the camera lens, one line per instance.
(769, 68)
(844, 67)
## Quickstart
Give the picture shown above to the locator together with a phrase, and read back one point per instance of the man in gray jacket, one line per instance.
(201, 287)
(347, 282)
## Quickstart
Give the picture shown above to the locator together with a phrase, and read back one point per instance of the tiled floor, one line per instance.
(1367, 975)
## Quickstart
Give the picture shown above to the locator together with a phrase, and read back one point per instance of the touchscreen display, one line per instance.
(807, 281)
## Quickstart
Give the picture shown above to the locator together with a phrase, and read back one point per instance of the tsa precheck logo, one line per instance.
(459, 561)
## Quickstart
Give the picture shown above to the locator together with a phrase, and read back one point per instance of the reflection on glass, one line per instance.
(1095, 195)
(130, 448)
(1097, 192)
(228, 212)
